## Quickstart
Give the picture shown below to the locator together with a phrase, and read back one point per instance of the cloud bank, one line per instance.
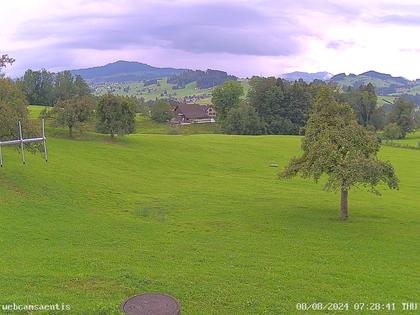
(242, 37)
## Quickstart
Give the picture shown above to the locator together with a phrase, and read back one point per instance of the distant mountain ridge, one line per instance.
(372, 76)
(125, 71)
(306, 76)
(385, 84)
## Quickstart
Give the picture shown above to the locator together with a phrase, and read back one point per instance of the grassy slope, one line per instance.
(154, 91)
(202, 218)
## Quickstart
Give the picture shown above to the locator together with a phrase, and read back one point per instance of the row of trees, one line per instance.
(115, 115)
(276, 106)
(205, 79)
(46, 88)
(272, 106)
(73, 103)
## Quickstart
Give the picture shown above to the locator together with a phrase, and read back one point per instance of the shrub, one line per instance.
(392, 132)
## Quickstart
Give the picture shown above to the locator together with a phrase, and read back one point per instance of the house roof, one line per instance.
(192, 111)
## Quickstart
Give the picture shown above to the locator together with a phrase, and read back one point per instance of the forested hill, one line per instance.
(306, 76)
(204, 79)
(385, 84)
(125, 71)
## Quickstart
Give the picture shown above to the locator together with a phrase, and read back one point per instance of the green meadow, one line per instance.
(202, 217)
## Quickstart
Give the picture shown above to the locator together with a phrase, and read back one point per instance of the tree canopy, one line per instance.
(403, 114)
(282, 106)
(162, 111)
(13, 108)
(243, 120)
(74, 111)
(46, 88)
(336, 145)
(363, 102)
(115, 115)
(225, 97)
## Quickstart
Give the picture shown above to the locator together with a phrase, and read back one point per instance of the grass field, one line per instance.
(412, 139)
(203, 218)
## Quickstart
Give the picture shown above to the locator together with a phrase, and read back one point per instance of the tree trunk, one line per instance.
(344, 204)
(71, 132)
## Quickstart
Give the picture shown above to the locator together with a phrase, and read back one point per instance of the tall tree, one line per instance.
(80, 87)
(282, 106)
(403, 114)
(115, 115)
(38, 87)
(336, 145)
(364, 103)
(63, 86)
(243, 120)
(226, 96)
(74, 111)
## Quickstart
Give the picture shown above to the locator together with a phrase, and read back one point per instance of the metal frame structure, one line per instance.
(21, 141)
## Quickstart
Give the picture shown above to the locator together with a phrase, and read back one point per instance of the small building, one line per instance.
(193, 114)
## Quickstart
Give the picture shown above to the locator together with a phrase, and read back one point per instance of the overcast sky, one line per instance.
(245, 38)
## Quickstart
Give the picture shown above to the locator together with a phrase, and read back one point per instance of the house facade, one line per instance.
(194, 114)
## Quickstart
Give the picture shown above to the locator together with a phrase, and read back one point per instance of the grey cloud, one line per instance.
(339, 44)
(399, 19)
(199, 28)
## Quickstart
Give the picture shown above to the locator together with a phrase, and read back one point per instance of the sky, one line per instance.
(245, 38)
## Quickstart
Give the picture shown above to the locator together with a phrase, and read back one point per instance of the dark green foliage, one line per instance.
(46, 88)
(282, 106)
(378, 119)
(115, 115)
(38, 87)
(336, 145)
(392, 132)
(74, 111)
(162, 111)
(226, 97)
(243, 120)
(80, 87)
(403, 114)
(364, 103)
(204, 79)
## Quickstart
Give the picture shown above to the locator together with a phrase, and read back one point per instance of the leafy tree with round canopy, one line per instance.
(336, 145)
(74, 111)
(243, 120)
(226, 97)
(115, 115)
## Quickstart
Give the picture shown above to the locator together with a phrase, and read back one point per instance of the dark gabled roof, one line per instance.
(192, 111)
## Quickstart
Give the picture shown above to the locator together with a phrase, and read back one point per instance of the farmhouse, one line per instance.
(194, 114)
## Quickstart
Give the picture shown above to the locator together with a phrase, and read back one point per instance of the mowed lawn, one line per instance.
(205, 219)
